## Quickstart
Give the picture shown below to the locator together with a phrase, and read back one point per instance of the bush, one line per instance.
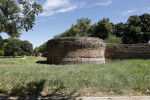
(113, 39)
(16, 47)
(1, 53)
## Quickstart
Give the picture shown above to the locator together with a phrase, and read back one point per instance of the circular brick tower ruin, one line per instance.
(81, 50)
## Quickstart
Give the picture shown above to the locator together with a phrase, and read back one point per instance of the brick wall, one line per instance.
(127, 51)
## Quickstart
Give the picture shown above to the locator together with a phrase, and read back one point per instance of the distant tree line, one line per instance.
(15, 47)
(41, 49)
(135, 30)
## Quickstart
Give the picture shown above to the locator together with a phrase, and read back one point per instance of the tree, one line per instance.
(16, 47)
(82, 26)
(13, 19)
(91, 30)
(134, 21)
(132, 35)
(79, 29)
(145, 26)
(27, 48)
(1, 47)
(102, 29)
(119, 29)
(1, 40)
(137, 29)
(132, 32)
(41, 49)
(12, 48)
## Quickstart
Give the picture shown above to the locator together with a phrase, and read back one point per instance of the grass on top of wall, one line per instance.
(31, 76)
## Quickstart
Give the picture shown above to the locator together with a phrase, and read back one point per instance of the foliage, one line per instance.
(83, 26)
(79, 29)
(41, 49)
(27, 48)
(16, 47)
(117, 76)
(12, 48)
(102, 29)
(132, 35)
(137, 29)
(113, 39)
(92, 29)
(119, 29)
(1, 53)
(1, 46)
(1, 40)
(13, 19)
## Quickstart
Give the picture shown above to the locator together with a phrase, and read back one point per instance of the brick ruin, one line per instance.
(85, 50)
(76, 51)
(127, 51)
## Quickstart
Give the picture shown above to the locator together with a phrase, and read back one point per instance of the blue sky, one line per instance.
(59, 15)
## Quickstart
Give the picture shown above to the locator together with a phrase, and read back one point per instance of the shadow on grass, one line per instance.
(33, 91)
(41, 62)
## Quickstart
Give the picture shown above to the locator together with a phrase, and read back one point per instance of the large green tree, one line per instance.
(102, 29)
(27, 48)
(79, 29)
(119, 29)
(137, 29)
(14, 18)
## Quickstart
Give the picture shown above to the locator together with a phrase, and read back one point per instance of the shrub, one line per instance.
(1, 53)
(113, 39)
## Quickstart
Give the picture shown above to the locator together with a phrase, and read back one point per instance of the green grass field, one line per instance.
(27, 77)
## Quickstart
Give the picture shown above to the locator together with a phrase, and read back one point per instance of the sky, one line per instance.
(59, 15)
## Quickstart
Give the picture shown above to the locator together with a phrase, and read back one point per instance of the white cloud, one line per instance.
(86, 5)
(55, 3)
(103, 3)
(129, 12)
(63, 10)
(46, 19)
(52, 7)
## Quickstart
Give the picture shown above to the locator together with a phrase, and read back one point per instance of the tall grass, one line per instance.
(112, 76)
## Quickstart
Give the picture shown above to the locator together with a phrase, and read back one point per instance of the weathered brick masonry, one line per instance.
(92, 50)
(127, 51)
(76, 51)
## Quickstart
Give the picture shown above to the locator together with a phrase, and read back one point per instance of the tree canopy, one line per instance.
(137, 29)
(41, 49)
(79, 29)
(16, 47)
(119, 29)
(14, 18)
(102, 29)
(83, 28)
